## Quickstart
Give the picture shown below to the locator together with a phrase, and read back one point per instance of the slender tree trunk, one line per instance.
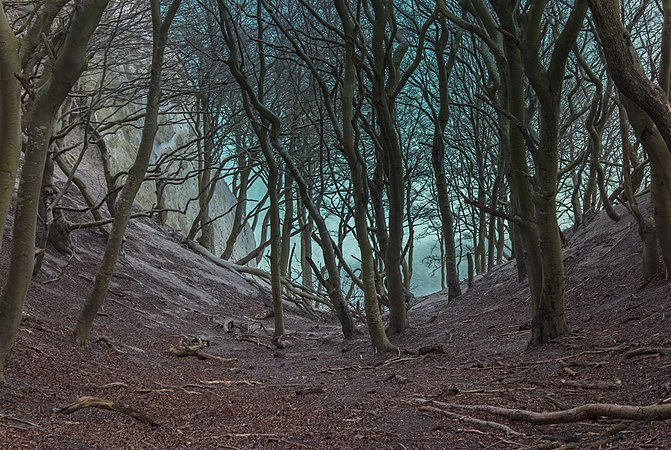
(491, 235)
(393, 165)
(285, 264)
(521, 190)
(444, 68)
(135, 178)
(445, 208)
(646, 225)
(307, 224)
(244, 165)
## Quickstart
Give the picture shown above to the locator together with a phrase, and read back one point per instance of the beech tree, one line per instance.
(96, 297)
(647, 104)
(56, 82)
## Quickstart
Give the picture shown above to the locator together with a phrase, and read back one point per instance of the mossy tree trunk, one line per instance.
(549, 320)
(357, 167)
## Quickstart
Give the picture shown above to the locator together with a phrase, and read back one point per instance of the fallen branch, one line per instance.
(647, 351)
(16, 419)
(290, 285)
(254, 340)
(589, 411)
(229, 382)
(195, 348)
(94, 402)
(114, 384)
(472, 420)
(598, 384)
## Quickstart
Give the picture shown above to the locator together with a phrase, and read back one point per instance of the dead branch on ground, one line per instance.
(195, 348)
(255, 340)
(94, 402)
(16, 419)
(597, 384)
(647, 351)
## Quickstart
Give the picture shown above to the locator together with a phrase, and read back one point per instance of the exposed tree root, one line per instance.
(471, 420)
(581, 413)
(94, 402)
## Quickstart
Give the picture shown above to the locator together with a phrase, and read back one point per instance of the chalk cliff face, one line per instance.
(172, 139)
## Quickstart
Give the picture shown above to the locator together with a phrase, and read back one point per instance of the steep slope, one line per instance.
(318, 391)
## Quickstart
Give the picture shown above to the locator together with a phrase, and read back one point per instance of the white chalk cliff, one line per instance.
(171, 139)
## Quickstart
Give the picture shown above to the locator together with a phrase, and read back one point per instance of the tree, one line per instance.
(96, 297)
(648, 106)
(10, 116)
(57, 82)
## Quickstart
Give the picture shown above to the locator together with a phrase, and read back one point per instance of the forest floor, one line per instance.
(321, 391)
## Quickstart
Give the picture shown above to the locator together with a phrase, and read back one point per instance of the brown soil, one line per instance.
(319, 391)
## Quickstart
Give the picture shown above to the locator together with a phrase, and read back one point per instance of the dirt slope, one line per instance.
(319, 391)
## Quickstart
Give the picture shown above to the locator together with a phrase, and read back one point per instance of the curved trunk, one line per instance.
(357, 167)
(67, 69)
(238, 218)
(124, 204)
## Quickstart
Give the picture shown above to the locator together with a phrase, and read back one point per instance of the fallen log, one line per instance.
(581, 413)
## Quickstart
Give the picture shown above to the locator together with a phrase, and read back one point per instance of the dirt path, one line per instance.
(318, 391)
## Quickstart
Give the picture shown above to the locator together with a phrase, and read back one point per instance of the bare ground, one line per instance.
(320, 391)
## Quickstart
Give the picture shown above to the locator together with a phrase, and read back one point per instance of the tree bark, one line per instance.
(10, 117)
(438, 161)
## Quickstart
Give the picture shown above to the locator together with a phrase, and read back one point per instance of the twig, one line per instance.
(16, 419)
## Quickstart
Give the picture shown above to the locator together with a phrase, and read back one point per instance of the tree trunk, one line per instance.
(549, 321)
(357, 167)
(10, 118)
(135, 178)
(626, 70)
(67, 69)
(646, 225)
(285, 263)
(307, 227)
(244, 165)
